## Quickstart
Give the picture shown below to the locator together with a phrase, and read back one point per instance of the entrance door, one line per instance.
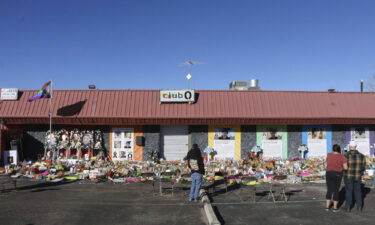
(175, 142)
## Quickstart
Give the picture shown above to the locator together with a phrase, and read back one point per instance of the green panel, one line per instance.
(283, 129)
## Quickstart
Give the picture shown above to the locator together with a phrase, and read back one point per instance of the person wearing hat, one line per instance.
(195, 163)
(353, 176)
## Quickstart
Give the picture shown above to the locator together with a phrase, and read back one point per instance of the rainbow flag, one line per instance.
(44, 92)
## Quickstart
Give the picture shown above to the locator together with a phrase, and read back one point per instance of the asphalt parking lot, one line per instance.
(305, 205)
(135, 203)
(103, 203)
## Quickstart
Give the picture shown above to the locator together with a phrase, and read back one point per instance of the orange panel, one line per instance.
(138, 150)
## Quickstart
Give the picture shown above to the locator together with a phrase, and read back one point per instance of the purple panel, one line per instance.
(348, 136)
(372, 140)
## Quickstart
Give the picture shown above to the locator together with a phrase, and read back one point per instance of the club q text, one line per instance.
(177, 96)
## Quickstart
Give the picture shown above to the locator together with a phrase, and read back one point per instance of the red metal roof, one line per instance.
(212, 107)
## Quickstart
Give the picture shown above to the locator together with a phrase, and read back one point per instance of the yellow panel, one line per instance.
(211, 136)
(237, 150)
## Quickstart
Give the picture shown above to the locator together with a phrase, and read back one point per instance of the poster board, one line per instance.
(273, 141)
(361, 135)
(318, 139)
(224, 142)
(122, 144)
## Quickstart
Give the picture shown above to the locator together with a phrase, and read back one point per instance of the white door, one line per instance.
(175, 142)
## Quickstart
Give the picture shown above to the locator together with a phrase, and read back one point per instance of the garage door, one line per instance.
(175, 142)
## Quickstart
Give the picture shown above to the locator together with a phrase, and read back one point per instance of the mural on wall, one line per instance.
(224, 142)
(318, 139)
(362, 136)
(122, 144)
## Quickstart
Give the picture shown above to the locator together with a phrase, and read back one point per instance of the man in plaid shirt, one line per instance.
(353, 177)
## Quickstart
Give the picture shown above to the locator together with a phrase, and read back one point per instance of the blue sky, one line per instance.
(288, 45)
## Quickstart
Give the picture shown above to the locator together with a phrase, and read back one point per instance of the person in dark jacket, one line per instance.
(194, 161)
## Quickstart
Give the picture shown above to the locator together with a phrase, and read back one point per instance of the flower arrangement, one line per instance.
(210, 152)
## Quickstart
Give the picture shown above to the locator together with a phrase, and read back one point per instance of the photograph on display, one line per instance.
(317, 133)
(362, 137)
(115, 154)
(224, 134)
(117, 135)
(10, 159)
(122, 154)
(272, 143)
(272, 134)
(359, 133)
(224, 142)
(117, 144)
(317, 141)
(51, 140)
(122, 143)
(127, 135)
(128, 144)
(87, 140)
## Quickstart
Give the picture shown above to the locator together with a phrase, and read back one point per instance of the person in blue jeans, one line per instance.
(353, 177)
(195, 163)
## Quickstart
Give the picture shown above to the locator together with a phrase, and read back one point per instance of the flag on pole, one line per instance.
(44, 92)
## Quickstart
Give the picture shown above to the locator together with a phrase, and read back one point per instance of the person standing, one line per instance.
(335, 165)
(353, 177)
(195, 163)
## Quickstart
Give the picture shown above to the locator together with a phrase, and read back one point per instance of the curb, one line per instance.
(208, 209)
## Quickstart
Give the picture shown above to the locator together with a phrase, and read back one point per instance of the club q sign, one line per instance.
(167, 96)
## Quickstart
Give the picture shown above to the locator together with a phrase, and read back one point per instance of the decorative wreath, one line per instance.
(51, 140)
(87, 139)
(75, 139)
(98, 140)
(63, 139)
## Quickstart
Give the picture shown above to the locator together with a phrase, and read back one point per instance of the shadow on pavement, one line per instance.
(44, 185)
(218, 215)
(226, 189)
(365, 192)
